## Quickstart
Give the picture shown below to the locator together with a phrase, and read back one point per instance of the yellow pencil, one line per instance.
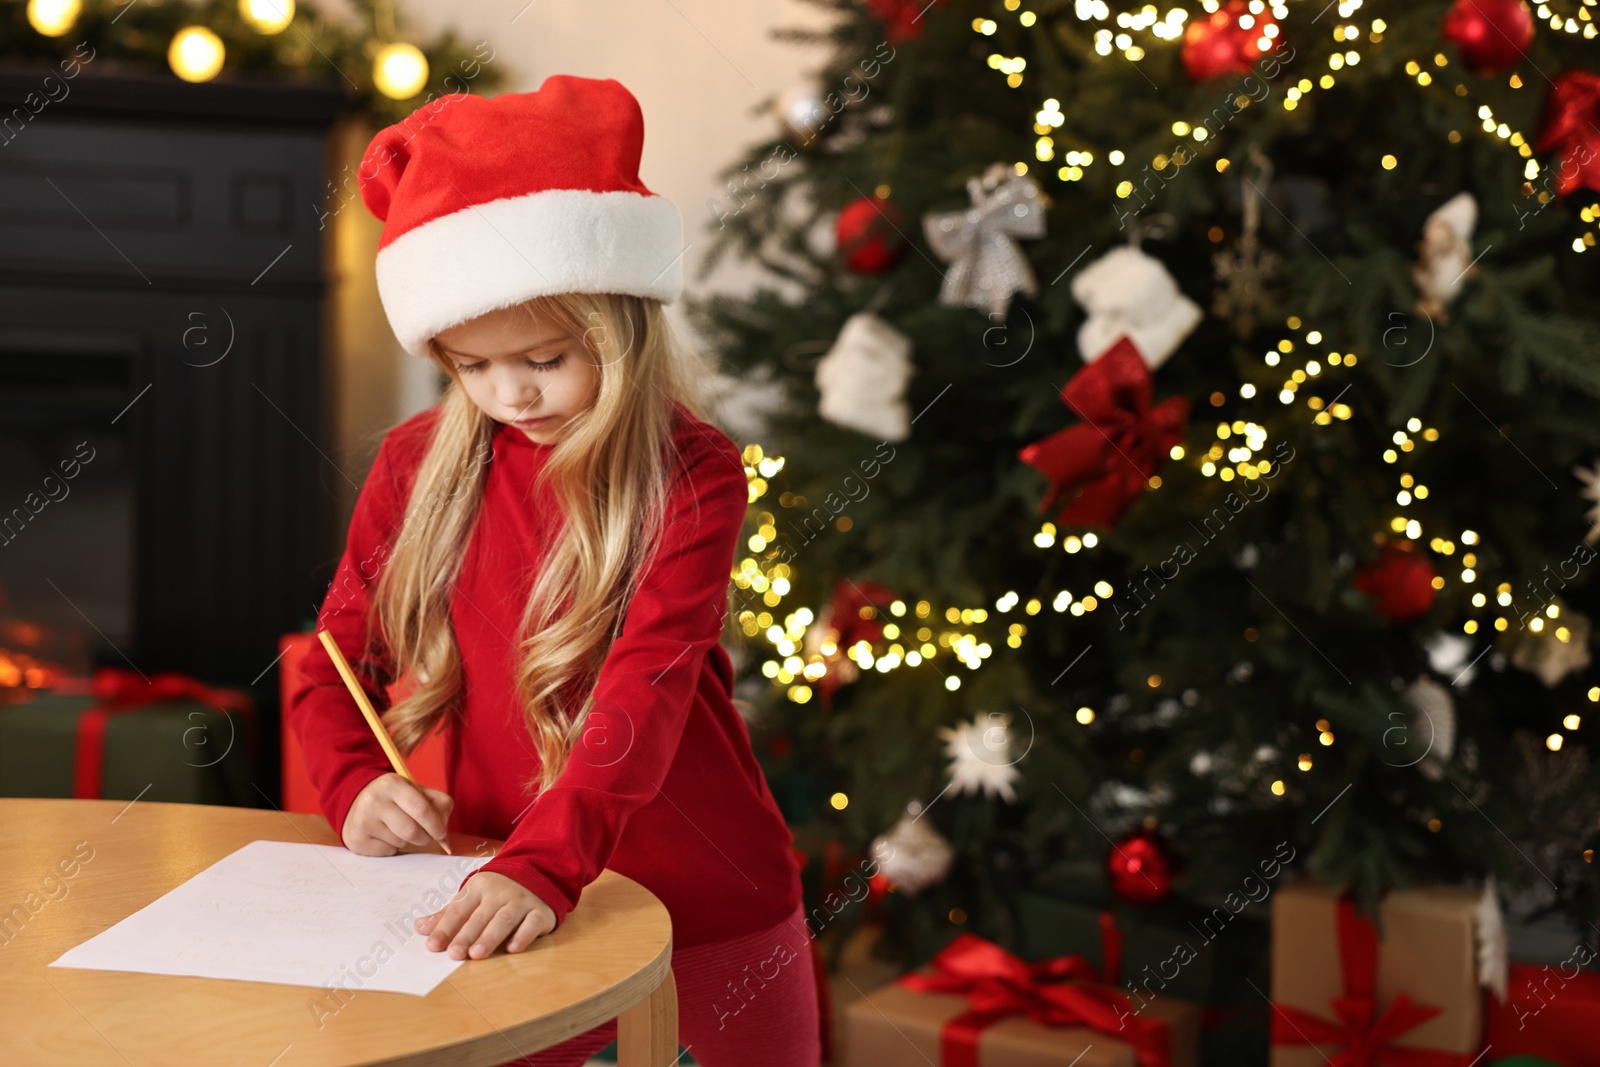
(371, 715)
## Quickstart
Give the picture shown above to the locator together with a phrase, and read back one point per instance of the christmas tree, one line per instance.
(1186, 451)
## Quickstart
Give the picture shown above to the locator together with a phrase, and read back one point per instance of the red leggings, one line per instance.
(748, 1000)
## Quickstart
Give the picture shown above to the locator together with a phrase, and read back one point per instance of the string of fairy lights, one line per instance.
(1300, 366)
(1573, 18)
(196, 53)
(917, 633)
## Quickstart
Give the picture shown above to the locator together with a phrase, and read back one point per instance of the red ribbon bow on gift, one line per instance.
(1569, 126)
(998, 984)
(117, 690)
(125, 689)
(1365, 1035)
(1103, 463)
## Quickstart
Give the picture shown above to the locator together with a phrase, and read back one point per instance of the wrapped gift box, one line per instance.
(66, 744)
(1550, 1012)
(428, 762)
(896, 1025)
(1421, 977)
(1219, 949)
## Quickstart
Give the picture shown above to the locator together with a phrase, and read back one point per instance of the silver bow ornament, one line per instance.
(986, 266)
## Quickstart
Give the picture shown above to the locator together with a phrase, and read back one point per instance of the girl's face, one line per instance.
(522, 370)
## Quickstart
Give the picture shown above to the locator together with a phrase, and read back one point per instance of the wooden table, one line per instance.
(610, 959)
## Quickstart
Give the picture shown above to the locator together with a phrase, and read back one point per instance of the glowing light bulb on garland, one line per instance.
(267, 17)
(195, 54)
(400, 70)
(52, 18)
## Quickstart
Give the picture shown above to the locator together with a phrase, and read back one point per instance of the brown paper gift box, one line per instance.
(895, 1026)
(1426, 950)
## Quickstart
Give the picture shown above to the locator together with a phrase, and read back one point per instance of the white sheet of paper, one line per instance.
(294, 914)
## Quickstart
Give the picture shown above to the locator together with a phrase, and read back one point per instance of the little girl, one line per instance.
(544, 557)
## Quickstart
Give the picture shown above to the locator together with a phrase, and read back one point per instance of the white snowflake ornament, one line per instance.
(1557, 648)
(1590, 477)
(980, 756)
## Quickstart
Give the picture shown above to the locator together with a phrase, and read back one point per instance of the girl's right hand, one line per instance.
(391, 813)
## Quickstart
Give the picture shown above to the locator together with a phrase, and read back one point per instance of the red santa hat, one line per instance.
(488, 202)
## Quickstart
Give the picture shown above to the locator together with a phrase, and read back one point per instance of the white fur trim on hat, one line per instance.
(489, 256)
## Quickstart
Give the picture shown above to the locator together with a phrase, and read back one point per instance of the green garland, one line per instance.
(134, 37)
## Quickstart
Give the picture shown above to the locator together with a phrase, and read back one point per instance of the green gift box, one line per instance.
(183, 750)
(1205, 955)
(1184, 951)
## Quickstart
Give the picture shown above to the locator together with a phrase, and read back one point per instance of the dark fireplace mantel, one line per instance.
(162, 281)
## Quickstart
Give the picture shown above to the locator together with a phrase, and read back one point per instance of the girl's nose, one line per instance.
(516, 392)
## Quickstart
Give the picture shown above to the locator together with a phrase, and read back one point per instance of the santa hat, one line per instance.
(488, 202)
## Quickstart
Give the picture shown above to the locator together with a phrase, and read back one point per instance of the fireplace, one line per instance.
(166, 503)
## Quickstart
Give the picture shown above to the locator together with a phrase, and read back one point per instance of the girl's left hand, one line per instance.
(488, 909)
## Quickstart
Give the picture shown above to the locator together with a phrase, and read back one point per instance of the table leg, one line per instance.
(647, 1033)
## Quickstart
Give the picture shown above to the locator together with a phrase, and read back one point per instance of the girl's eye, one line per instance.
(547, 365)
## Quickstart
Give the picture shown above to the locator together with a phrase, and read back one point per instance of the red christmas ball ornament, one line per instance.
(1230, 40)
(868, 234)
(1140, 868)
(902, 19)
(1492, 34)
(1399, 582)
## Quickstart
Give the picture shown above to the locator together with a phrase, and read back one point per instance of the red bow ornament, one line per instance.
(1064, 991)
(1569, 128)
(1101, 465)
(1365, 1035)
(116, 691)
(846, 625)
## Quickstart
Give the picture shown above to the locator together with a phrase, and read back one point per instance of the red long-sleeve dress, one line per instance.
(664, 787)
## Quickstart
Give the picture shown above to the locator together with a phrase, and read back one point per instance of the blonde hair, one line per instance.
(609, 475)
